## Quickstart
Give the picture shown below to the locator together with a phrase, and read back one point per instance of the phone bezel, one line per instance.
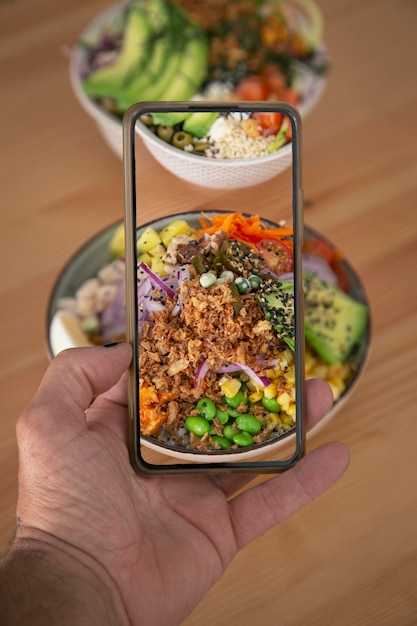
(129, 137)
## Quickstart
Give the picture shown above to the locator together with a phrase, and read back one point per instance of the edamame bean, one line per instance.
(248, 423)
(197, 425)
(238, 398)
(229, 431)
(222, 442)
(271, 404)
(207, 279)
(222, 416)
(207, 408)
(243, 439)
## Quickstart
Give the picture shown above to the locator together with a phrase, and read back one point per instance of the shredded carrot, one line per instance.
(247, 229)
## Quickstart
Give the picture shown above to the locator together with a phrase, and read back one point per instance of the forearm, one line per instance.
(43, 586)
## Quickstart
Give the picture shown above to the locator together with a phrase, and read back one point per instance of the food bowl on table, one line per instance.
(86, 308)
(196, 67)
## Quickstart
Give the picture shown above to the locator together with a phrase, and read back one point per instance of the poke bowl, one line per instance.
(222, 393)
(240, 51)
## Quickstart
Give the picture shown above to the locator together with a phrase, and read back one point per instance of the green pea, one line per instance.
(233, 412)
(229, 432)
(181, 139)
(243, 439)
(248, 423)
(238, 398)
(207, 279)
(207, 408)
(255, 281)
(222, 416)
(243, 285)
(225, 276)
(271, 404)
(197, 425)
(222, 442)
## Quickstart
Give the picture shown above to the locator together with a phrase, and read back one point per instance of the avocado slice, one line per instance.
(276, 298)
(144, 80)
(107, 80)
(170, 118)
(334, 322)
(191, 71)
(199, 124)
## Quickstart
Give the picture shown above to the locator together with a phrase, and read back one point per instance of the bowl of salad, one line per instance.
(170, 50)
(216, 360)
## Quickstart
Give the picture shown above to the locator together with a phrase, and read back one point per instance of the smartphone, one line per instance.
(214, 297)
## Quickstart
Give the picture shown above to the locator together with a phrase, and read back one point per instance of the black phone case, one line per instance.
(129, 121)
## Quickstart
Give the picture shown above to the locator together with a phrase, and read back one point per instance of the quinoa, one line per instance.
(237, 139)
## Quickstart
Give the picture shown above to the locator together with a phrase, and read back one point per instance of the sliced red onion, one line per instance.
(201, 372)
(229, 368)
(113, 318)
(319, 266)
(286, 276)
(261, 381)
(157, 280)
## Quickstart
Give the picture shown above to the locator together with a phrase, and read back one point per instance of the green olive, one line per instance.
(200, 147)
(181, 139)
(146, 118)
(165, 132)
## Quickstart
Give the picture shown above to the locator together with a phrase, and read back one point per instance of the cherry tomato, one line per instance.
(252, 88)
(277, 257)
(275, 83)
(318, 247)
(269, 122)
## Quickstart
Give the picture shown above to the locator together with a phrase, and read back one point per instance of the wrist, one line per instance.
(49, 584)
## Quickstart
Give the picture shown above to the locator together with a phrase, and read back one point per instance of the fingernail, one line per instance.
(113, 343)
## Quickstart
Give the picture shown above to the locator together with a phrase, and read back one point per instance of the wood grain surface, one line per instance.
(349, 558)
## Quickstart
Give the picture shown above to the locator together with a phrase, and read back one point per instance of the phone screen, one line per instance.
(213, 287)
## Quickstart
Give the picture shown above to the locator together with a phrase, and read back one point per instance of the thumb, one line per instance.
(70, 383)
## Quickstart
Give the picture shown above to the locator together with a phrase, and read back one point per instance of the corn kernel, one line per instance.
(273, 420)
(290, 377)
(287, 420)
(272, 373)
(284, 400)
(291, 411)
(231, 387)
(320, 371)
(310, 361)
(270, 391)
(255, 396)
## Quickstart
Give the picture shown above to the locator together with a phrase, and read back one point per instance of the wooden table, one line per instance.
(349, 558)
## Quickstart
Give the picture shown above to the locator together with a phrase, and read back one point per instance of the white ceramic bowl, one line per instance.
(63, 331)
(212, 173)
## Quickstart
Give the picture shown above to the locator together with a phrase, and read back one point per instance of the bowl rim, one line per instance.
(102, 116)
(258, 449)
